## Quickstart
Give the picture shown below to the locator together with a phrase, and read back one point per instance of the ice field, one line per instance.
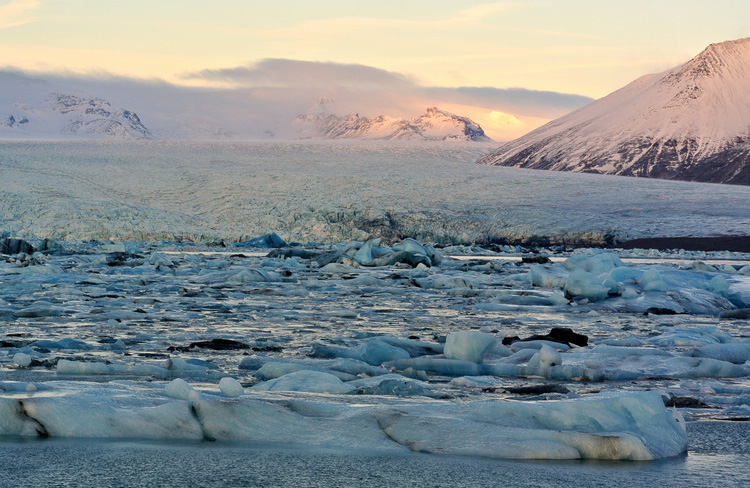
(337, 191)
(389, 346)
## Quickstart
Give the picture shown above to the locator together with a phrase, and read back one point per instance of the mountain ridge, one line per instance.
(691, 122)
(433, 125)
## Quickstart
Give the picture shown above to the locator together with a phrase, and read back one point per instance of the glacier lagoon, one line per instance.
(110, 340)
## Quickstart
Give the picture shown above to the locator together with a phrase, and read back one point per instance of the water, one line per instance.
(719, 456)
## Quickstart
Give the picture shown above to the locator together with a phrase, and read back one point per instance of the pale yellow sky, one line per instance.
(583, 47)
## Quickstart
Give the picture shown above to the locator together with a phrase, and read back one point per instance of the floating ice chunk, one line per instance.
(694, 336)
(364, 254)
(581, 284)
(468, 345)
(415, 248)
(701, 266)
(22, 360)
(305, 380)
(596, 264)
(538, 344)
(179, 364)
(621, 352)
(231, 387)
(545, 358)
(112, 247)
(541, 276)
(520, 356)
(624, 274)
(625, 426)
(253, 276)
(622, 426)
(629, 293)
(391, 384)
(735, 352)
(414, 347)
(719, 284)
(65, 366)
(714, 368)
(270, 240)
(374, 352)
(366, 280)
(450, 367)
(337, 268)
(180, 390)
(445, 282)
(277, 369)
(66, 343)
(158, 259)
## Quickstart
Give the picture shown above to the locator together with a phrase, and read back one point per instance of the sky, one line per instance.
(419, 49)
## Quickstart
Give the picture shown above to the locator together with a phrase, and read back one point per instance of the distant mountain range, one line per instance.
(689, 123)
(37, 109)
(433, 125)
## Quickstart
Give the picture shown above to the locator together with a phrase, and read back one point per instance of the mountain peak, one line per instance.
(433, 125)
(689, 123)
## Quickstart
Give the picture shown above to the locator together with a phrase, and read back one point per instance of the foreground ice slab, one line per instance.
(618, 426)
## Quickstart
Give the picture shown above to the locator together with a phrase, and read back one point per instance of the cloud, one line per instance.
(263, 97)
(17, 12)
(293, 73)
(515, 100)
(331, 78)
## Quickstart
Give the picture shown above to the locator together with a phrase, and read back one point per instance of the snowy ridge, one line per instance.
(35, 109)
(688, 123)
(433, 125)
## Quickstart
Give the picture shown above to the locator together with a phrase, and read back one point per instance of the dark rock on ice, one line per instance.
(12, 245)
(535, 259)
(537, 389)
(659, 311)
(740, 313)
(684, 402)
(295, 253)
(220, 345)
(562, 335)
(123, 259)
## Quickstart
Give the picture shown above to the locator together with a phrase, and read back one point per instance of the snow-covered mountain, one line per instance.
(37, 109)
(433, 125)
(689, 123)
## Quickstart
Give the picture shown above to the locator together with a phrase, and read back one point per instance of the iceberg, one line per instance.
(617, 426)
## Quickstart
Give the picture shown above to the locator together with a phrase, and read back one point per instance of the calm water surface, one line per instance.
(719, 456)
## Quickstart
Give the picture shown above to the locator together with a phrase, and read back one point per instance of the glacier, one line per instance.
(349, 190)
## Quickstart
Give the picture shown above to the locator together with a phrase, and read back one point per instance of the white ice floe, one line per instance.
(468, 345)
(622, 426)
(231, 387)
(307, 381)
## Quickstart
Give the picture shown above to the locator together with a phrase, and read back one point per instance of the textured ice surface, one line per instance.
(336, 191)
(630, 426)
